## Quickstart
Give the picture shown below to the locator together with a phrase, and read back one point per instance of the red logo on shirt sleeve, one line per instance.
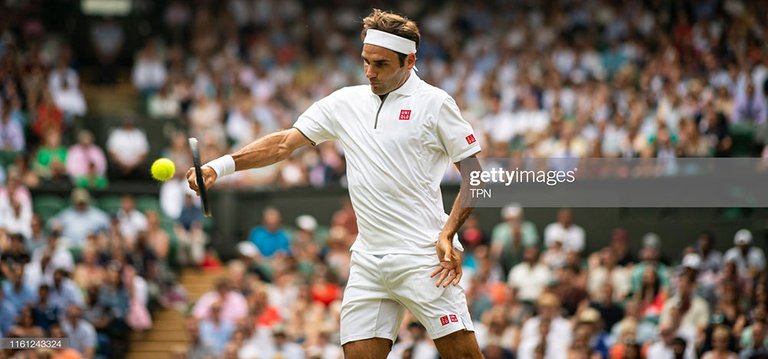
(405, 115)
(454, 319)
(470, 139)
(444, 320)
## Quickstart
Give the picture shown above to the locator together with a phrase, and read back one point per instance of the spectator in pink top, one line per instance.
(234, 307)
(82, 154)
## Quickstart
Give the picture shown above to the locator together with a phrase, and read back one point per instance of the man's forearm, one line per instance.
(263, 152)
(458, 215)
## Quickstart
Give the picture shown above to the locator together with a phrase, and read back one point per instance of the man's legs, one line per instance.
(374, 348)
(458, 345)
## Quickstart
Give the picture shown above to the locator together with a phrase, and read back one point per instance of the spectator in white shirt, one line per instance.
(530, 277)
(749, 259)
(62, 73)
(573, 234)
(149, 70)
(548, 328)
(131, 220)
(127, 147)
(70, 99)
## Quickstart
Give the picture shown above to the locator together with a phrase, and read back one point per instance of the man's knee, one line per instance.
(373, 348)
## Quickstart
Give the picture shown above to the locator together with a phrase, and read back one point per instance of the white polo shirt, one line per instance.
(397, 152)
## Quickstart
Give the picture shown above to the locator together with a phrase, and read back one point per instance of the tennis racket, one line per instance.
(199, 175)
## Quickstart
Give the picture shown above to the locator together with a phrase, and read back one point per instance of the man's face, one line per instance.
(383, 70)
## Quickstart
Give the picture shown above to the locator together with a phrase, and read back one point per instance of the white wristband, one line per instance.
(223, 166)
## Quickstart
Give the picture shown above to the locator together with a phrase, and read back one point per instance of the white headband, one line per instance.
(390, 41)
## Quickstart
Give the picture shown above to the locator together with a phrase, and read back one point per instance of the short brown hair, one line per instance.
(394, 24)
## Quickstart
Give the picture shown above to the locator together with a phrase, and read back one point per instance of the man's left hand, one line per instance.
(450, 263)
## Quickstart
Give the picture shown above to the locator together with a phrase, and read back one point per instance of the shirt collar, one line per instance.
(409, 87)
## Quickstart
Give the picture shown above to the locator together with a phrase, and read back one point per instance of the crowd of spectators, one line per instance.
(575, 79)
(563, 79)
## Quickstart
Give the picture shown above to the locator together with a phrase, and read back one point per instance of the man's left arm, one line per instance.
(450, 258)
(457, 138)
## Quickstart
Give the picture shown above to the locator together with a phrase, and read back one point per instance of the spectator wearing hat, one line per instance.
(80, 220)
(249, 256)
(750, 260)
(511, 237)
(598, 339)
(304, 248)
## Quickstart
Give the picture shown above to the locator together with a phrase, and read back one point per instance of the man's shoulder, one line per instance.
(346, 92)
(432, 92)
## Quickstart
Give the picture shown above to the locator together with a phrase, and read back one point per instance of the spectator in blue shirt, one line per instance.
(270, 237)
(64, 291)
(80, 220)
(81, 334)
(7, 315)
(16, 291)
(215, 332)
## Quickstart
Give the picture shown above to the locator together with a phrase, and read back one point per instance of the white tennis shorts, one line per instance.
(380, 288)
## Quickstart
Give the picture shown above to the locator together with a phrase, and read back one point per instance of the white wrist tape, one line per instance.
(223, 166)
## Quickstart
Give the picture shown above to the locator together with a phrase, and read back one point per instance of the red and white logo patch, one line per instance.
(444, 320)
(470, 139)
(405, 115)
(454, 318)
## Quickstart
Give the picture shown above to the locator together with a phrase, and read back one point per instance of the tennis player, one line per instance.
(399, 134)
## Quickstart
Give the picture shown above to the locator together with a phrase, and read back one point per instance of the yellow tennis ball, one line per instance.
(163, 169)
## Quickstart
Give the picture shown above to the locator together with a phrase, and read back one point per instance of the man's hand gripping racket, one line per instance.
(200, 178)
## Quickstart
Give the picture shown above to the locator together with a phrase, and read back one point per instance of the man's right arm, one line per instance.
(263, 152)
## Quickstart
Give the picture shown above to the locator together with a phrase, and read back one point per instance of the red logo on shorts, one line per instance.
(444, 320)
(454, 319)
(405, 115)
(470, 139)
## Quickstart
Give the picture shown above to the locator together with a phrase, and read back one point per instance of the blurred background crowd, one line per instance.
(568, 78)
